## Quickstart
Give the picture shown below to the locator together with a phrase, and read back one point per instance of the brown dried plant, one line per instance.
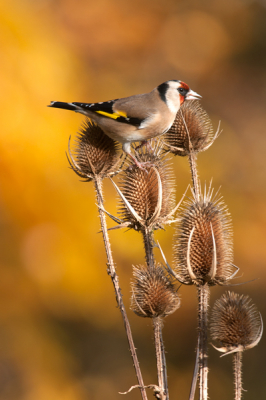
(237, 326)
(203, 244)
(146, 204)
(203, 247)
(203, 256)
(94, 153)
(191, 133)
(95, 156)
(147, 196)
(153, 292)
(155, 296)
(192, 130)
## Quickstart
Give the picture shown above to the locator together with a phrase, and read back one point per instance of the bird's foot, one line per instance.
(140, 165)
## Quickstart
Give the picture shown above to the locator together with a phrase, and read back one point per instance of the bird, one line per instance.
(136, 118)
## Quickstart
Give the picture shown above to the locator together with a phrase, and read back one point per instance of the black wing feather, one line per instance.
(106, 107)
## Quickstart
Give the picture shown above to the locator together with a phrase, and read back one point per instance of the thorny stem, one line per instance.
(203, 300)
(237, 362)
(148, 245)
(195, 180)
(112, 272)
(157, 322)
(160, 356)
(193, 167)
(165, 385)
(192, 162)
(195, 375)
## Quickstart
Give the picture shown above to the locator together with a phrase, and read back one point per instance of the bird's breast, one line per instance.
(157, 124)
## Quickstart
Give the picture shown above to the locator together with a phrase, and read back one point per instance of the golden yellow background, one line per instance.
(61, 335)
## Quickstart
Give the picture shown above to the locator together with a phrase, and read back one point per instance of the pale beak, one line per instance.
(192, 95)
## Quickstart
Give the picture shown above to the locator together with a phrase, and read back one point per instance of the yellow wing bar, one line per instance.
(114, 115)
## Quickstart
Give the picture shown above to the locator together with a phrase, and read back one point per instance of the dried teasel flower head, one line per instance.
(153, 293)
(203, 242)
(147, 195)
(94, 153)
(191, 131)
(235, 323)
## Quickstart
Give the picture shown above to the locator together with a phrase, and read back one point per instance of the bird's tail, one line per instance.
(65, 106)
(78, 107)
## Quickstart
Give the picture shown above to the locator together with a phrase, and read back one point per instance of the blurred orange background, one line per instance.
(61, 335)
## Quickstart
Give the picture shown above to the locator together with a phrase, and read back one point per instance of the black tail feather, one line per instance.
(65, 106)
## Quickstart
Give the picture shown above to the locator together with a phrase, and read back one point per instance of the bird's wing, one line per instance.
(107, 110)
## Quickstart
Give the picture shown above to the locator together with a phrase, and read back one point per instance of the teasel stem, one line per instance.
(115, 281)
(203, 303)
(203, 296)
(157, 321)
(237, 363)
(195, 375)
(192, 158)
(164, 366)
(148, 246)
(160, 356)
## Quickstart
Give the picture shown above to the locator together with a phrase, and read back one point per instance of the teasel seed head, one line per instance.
(191, 131)
(94, 153)
(203, 250)
(153, 293)
(147, 195)
(235, 323)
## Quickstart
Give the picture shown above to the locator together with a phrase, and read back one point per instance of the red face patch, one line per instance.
(184, 85)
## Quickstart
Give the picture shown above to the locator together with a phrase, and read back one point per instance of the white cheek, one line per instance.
(173, 103)
(173, 106)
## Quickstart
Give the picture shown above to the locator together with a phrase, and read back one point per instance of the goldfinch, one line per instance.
(136, 118)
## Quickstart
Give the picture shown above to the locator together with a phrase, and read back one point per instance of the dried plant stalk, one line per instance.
(203, 256)
(154, 296)
(147, 196)
(95, 157)
(115, 281)
(146, 204)
(191, 133)
(237, 363)
(160, 358)
(203, 302)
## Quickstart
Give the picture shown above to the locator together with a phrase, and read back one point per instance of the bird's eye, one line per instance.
(181, 90)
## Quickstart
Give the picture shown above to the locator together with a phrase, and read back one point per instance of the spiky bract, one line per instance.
(191, 131)
(94, 153)
(235, 322)
(153, 293)
(203, 242)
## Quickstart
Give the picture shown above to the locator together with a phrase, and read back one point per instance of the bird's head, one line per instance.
(174, 93)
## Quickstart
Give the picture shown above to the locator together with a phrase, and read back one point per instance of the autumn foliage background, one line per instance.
(61, 336)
